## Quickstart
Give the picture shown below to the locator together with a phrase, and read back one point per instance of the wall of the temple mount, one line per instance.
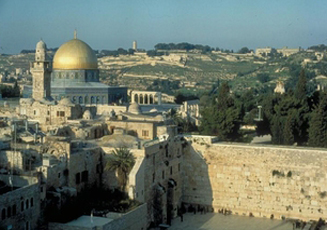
(262, 180)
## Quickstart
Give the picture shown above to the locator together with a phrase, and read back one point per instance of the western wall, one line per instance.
(259, 180)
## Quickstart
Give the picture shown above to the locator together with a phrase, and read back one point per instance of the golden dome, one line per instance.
(75, 54)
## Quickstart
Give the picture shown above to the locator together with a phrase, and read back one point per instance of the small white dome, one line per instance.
(66, 102)
(41, 45)
(154, 110)
(135, 109)
(87, 115)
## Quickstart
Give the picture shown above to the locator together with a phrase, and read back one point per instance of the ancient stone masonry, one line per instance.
(266, 181)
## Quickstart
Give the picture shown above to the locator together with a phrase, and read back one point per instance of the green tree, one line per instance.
(301, 87)
(263, 77)
(244, 50)
(16, 90)
(318, 124)
(289, 127)
(223, 117)
(122, 161)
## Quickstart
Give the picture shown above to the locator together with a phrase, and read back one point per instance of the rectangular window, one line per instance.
(163, 174)
(171, 170)
(85, 176)
(153, 177)
(60, 113)
(22, 206)
(145, 133)
(179, 167)
(78, 178)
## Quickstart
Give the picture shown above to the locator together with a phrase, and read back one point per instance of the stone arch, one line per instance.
(155, 98)
(146, 99)
(56, 150)
(141, 99)
(136, 98)
(92, 100)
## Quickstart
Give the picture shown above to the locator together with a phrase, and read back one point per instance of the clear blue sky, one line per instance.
(110, 24)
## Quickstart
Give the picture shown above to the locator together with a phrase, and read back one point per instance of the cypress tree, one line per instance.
(289, 127)
(318, 124)
(301, 87)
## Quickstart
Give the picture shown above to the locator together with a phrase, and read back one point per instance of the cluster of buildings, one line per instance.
(285, 51)
(56, 142)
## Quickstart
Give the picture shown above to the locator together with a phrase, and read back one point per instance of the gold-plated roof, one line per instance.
(75, 54)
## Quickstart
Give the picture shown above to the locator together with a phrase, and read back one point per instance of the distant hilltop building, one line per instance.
(285, 51)
(280, 87)
(135, 45)
(263, 51)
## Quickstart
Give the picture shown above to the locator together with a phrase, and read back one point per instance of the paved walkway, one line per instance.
(229, 222)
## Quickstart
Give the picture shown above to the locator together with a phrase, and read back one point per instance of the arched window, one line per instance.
(80, 100)
(9, 211)
(151, 99)
(145, 99)
(74, 99)
(141, 99)
(3, 214)
(92, 100)
(136, 98)
(86, 100)
(98, 100)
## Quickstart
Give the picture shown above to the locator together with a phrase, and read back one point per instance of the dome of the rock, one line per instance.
(73, 55)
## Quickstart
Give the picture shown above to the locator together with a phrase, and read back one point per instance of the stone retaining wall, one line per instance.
(262, 180)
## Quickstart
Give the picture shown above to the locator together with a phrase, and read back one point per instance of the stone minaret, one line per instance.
(135, 45)
(41, 71)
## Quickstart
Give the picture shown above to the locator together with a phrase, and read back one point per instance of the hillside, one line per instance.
(194, 72)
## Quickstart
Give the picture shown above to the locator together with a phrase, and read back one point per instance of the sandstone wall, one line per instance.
(21, 207)
(262, 180)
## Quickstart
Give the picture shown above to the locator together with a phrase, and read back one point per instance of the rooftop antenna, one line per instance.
(75, 34)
